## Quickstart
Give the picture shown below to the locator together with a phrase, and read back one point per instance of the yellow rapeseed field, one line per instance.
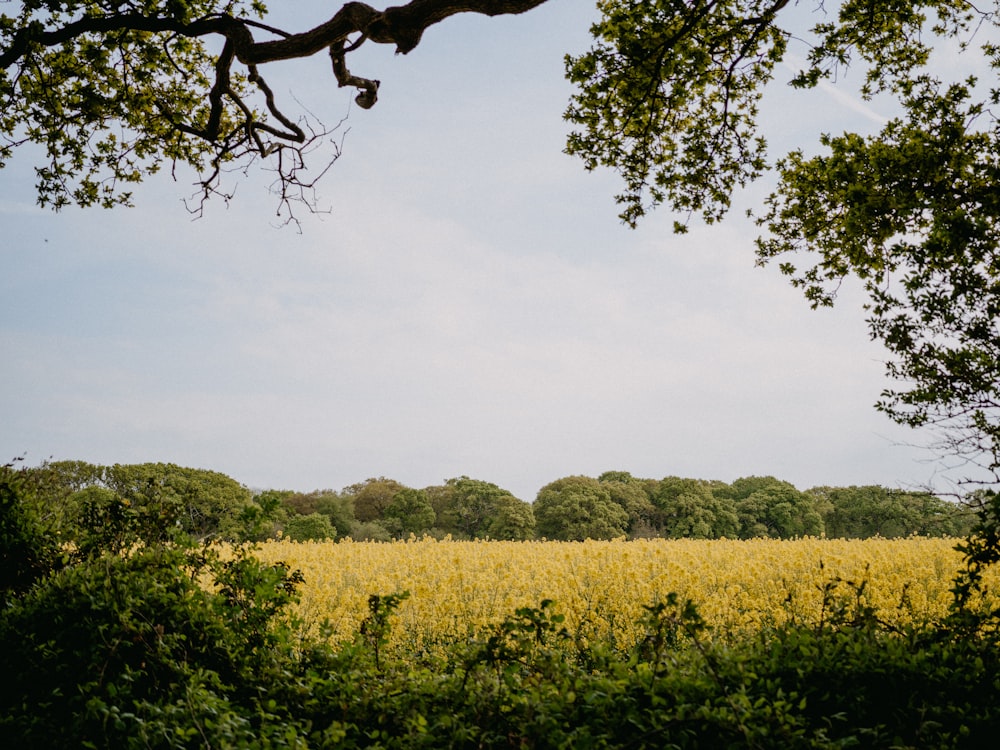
(457, 587)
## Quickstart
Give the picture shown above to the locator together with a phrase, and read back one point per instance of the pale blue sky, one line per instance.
(471, 305)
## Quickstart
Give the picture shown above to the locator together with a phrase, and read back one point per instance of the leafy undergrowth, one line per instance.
(129, 649)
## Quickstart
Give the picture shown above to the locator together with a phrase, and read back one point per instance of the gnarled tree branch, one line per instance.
(92, 101)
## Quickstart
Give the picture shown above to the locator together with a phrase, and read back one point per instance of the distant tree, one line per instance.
(411, 513)
(54, 483)
(577, 508)
(633, 495)
(339, 509)
(370, 531)
(67, 476)
(301, 503)
(205, 502)
(264, 517)
(940, 517)
(860, 512)
(512, 520)
(688, 508)
(440, 497)
(311, 527)
(196, 501)
(371, 497)
(474, 509)
(772, 508)
(613, 475)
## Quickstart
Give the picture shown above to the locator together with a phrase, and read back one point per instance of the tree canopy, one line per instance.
(89, 507)
(577, 508)
(669, 97)
(114, 89)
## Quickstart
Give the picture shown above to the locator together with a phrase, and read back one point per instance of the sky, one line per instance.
(469, 304)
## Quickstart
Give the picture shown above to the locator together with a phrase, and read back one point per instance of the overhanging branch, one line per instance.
(402, 26)
(195, 95)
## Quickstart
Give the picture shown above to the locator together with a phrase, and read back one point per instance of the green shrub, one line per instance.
(313, 527)
(137, 642)
(106, 650)
(26, 552)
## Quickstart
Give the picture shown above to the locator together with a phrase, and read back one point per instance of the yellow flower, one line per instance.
(458, 587)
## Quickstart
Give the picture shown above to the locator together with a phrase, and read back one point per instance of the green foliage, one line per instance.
(123, 647)
(473, 509)
(577, 508)
(117, 94)
(169, 646)
(634, 496)
(259, 520)
(338, 509)
(370, 531)
(411, 512)
(106, 522)
(861, 512)
(54, 483)
(981, 550)
(512, 520)
(375, 628)
(667, 97)
(313, 527)
(100, 105)
(688, 508)
(26, 552)
(769, 507)
(528, 682)
(111, 90)
(371, 497)
(105, 508)
(205, 503)
(914, 214)
(153, 501)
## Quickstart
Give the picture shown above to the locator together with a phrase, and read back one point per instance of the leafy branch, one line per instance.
(112, 89)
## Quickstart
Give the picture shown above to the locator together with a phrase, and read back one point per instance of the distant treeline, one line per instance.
(612, 505)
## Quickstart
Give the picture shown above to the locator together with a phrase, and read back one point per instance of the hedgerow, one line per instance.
(169, 644)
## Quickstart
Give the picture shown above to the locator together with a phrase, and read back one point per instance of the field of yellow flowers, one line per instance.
(456, 588)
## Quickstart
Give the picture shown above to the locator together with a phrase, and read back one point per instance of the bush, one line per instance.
(26, 552)
(123, 649)
(155, 644)
(314, 527)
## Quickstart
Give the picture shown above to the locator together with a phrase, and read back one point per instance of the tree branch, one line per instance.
(191, 104)
(402, 25)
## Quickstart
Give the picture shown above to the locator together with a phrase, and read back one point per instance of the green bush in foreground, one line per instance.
(168, 645)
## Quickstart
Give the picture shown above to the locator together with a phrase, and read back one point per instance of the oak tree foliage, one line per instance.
(577, 508)
(668, 97)
(474, 509)
(113, 90)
